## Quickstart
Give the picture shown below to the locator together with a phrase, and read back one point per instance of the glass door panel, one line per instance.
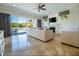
(14, 24)
(21, 24)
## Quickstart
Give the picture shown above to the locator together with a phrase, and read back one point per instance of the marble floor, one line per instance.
(23, 45)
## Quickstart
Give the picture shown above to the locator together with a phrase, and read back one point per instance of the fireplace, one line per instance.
(53, 29)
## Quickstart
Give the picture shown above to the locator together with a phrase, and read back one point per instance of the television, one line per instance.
(52, 19)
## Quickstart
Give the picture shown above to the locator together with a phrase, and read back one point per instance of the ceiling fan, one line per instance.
(41, 7)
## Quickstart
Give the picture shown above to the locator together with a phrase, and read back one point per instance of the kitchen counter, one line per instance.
(43, 35)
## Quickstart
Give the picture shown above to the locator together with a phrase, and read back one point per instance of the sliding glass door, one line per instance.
(18, 24)
(21, 24)
(14, 24)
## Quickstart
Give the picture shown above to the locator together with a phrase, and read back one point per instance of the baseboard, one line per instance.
(70, 45)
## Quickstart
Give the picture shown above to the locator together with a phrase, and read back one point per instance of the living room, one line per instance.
(33, 29)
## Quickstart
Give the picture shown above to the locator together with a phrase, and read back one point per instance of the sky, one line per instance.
(15, 19)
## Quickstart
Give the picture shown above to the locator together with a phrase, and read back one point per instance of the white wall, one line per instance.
(70, 24)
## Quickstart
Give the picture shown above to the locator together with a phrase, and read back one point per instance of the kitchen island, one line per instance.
(43, 35)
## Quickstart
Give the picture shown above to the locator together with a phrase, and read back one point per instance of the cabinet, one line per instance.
(43, 35)
(1, 43)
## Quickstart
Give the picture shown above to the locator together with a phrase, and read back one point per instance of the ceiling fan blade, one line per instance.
(42, 5)
(43, 8)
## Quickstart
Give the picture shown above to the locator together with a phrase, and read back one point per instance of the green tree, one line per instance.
(14, 25)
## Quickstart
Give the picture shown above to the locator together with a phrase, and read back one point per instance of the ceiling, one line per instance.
(30, 8)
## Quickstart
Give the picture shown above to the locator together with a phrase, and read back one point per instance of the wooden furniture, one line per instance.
(1, 43)
(70, 38)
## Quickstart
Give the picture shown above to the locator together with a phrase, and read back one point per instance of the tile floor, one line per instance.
(23, 45)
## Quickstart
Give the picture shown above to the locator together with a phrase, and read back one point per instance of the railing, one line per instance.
(18, 30)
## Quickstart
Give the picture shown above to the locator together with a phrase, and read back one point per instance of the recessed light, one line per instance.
(13, 5)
